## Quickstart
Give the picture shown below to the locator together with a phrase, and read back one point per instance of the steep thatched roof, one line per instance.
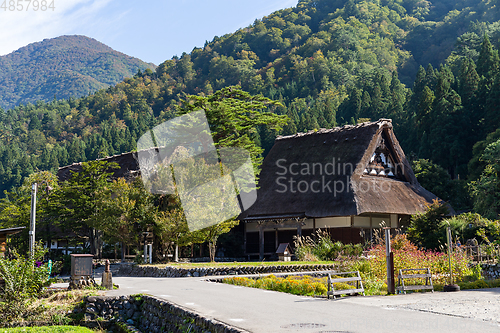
(128, 162)
(305, 162)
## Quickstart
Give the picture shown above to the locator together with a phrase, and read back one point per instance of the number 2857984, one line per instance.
(27, 5)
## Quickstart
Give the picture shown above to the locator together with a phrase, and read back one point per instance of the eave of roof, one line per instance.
(11, 231)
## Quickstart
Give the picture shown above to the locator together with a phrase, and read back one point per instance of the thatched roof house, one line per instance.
(347, 180)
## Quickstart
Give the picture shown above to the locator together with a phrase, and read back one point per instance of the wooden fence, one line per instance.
(482, 253)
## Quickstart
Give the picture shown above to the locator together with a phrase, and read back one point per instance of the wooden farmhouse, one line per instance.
(347, 180)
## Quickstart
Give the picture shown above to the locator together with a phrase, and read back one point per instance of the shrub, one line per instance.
(424, 227)
(323, 248)
(23, 282)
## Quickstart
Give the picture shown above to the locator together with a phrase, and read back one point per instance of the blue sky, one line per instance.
(151, 30)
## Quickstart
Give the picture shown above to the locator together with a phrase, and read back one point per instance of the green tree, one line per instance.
(486, 190)
(492, 107)
(125, 209)
(488, 62)
(171, 221)
(433, 178)
(234, 116)
(16, 206)
(76, 206)
(290, 127)
(468, 82)
(424, 113)
(447, 122)
(351, 106)
(477, 164)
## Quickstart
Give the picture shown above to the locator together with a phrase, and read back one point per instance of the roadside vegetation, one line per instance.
(297, 285)
(372, 268)
(317, 286)
(49, 329)
(24, 298)
(423, 246)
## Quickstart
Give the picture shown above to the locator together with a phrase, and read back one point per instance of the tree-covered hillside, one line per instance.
(432, 67)
(62, 67)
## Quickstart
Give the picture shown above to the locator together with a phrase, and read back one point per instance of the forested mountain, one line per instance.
(62, 67)
(431, 66)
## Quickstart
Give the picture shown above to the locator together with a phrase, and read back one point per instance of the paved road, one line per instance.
(265, 311)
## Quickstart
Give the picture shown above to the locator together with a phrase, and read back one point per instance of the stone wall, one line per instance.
(169, 271)
(107, 311)
(148, 314)
(491, 271)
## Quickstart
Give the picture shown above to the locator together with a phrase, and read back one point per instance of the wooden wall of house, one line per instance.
(346, 235)
(346, 229)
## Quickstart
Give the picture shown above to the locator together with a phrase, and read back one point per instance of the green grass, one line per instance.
(237, 264)
(51, 329)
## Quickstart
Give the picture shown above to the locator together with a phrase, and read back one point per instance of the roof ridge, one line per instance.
(381, 123)
(99, 159)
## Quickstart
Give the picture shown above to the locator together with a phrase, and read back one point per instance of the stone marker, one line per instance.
(107, 279)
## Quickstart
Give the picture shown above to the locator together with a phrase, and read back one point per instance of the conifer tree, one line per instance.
(488, 62)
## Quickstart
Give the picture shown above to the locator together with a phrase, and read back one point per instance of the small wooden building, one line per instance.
(347, 180)
(283, 252)
(3, 237)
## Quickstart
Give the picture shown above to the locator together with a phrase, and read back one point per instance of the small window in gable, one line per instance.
(382, 163)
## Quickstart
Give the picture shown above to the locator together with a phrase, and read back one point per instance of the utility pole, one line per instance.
(34, 188)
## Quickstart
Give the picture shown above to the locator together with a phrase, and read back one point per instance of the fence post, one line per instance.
(390, 263)
(451, 286)
(448, 237)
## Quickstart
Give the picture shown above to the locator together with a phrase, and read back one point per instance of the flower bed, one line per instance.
(372, 270)
(297, 285)
(407, 255)
(304, 285)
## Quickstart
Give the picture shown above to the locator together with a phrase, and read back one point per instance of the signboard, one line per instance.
(81, 264)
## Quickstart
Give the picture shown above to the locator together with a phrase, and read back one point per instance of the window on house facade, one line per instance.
(383, 163)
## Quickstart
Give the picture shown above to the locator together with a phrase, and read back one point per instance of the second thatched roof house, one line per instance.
(348, 180)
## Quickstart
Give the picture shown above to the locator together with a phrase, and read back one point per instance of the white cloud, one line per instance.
(19, 28)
